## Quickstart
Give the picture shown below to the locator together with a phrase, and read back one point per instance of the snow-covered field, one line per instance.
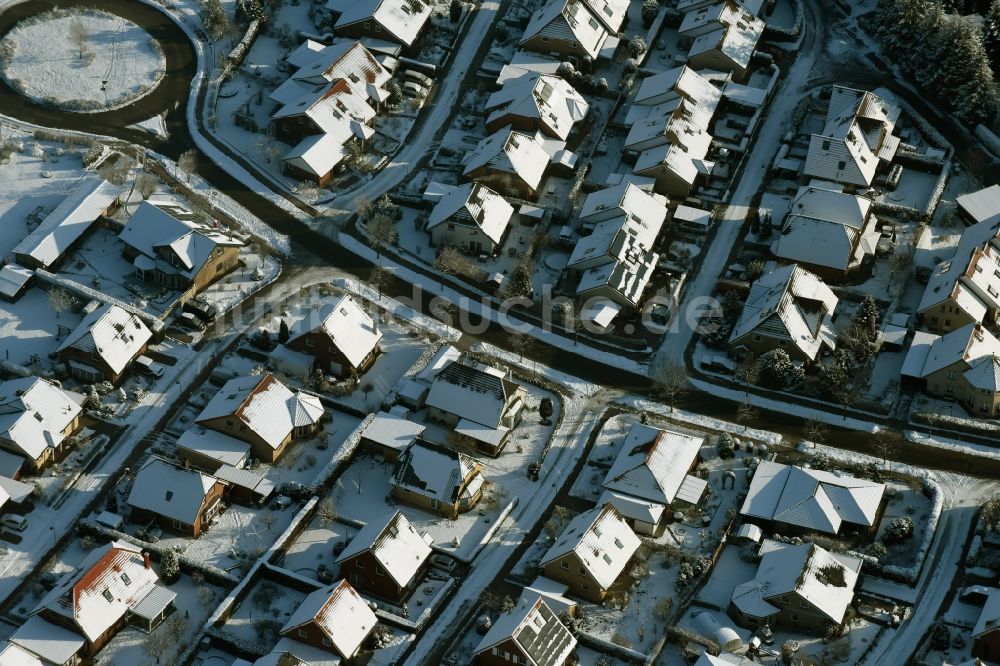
(81, 60)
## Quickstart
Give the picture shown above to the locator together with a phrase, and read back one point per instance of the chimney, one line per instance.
(145, 560)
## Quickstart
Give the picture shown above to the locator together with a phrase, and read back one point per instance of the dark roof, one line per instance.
(545, 646)
(475, 379)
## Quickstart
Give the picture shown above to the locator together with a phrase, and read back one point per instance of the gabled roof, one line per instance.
(678, 82)
(317, 154)
(340, 613)
(13, 278)
(346, 324)
(109, 583)
(969, 278)
(989, 616)
(543, 639)
(966, 345)
(652, 463)
(628, 207)
(265, 406)
(473, 205)
(215, 445)
(402, 19)
(626, 279)
(113, 333)
(736, 36)
(53, 643)
(173, 492)
(568, 21)
(511, 152)
(13, 655)
(601, 540)
(549, 99)
(88, 199)
(982, 205)
(789, 303)
(474, 394)
(392, 430)
(810, 498)
(682, 152)
(395, 544)
(438, 472)
(34, 412)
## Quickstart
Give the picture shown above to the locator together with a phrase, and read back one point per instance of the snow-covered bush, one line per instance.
(899, 529)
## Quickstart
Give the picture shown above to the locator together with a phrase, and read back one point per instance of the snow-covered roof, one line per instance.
(551, 591)
(392, 431)
(789, 303)
(438, 472)
(175, 245)
(288, 651)
(678, 82)
(810, 498)
(109, 583)
(626, 279)
(53, 643)
(966, 345)
(473, 205)
(13, 278)
(536, 630)
(265, 406)
(982, 205)
(825, 227)
(824, 579)
(601, 540)
(653, 463)
(317, 154)
(682, 152)
(14, 655)
(402, 19)
(113, 333)
(349, 60)
(568, 21)
(736, 36)
(633, 508)
(474, 394)
(34, 413)
(989, 616)
(346, 324)
(215, 445)
(970, 277)
(340, 613)
(87, 201)
(527, 62)
(540, 97)
(511, 152)
(173, 492)
(395, 544)
(826, 202)
(627, 206)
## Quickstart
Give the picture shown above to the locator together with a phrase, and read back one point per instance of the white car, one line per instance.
(417, 77)
(414, 90)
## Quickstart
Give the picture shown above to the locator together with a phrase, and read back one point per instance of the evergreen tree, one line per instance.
(866, 321)
(283, 332)
(991, 35)
(520, 282)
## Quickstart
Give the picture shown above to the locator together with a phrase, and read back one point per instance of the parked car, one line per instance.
(189, 321)
(19, 523)
(147, 366)
(417, 77)
(412, 89)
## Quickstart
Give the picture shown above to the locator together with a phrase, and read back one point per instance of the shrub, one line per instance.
(899, 529)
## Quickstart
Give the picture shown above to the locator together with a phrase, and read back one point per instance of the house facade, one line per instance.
(104, 344)
(340, 336)
(471, 217)
(438, 479)
(178, 499)
(334, 619)
(36, 419)
(386, 558)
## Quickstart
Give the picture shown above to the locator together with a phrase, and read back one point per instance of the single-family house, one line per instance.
(528, 634)
(788, 308)
(14, 281)
(183, 500)
(341, 337)
(471, 217)
(964, 365)
(16, 497)
(104, 344)
(481, 405)
(509, 162)
(438, 479)
(721, 37)
(207, 449)
(619, 284)
(333, 618)
(36, 419)
(263, 412)
(591, 553)
(677, 152)
(812, 500)
(856, 139)
(386, 558)
(797, 586)
(625, 206)
(571, 30)
(398, 21)
(536, 102)
(177, 253)
(115, 585)
(388, 434)
(679, 83)
(979, 206)
(90, 199)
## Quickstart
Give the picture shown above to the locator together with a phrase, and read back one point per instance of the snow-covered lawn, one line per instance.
(29, 329)
(81, 60)
(314, 548)
(265, 609)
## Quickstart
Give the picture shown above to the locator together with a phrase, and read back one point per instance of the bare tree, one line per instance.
(157, 643)
(380, 278)
(815, 431)
(79, 36)
(519, 343)
(886, 442)
(61, 300)
(746, 414)
(188, 163)
(146, 184)
(382, 232)
(671, 383)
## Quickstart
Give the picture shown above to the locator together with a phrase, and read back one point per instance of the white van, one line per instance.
(19, 523)
(148, 367)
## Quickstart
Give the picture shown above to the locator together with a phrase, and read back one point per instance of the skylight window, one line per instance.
(107, 594)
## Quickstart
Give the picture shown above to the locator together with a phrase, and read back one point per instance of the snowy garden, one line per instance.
(81, 60)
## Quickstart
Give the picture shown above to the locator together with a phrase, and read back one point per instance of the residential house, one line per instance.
(654, 465)
(36, 419)
(399, 21)
(965, 289)
(798, 587)
(90, 199)
(571, 30)
(794, 499)
(14, 281)
(509, 162)
(964, 365)
(340, 336)
(413, 392)
(104, 344)
(263, 412)
(612, 265)
(830, 233)
(471, 217)
(244, 486)
(721, 37)
(529, 634)
(667, 87)
(856, 140)
(386, 558)
(480, 404)
(334, 618)
(788, 308)
(47, 642)
(625, 206)
(115, 585)
(980, 206)
(591, 553)
(438, 479)
(986, 632)
(388, 434)
(673, 148)
(207, 449)
(178, 253)
(179, 499)
(536, 102)
(16, 497)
